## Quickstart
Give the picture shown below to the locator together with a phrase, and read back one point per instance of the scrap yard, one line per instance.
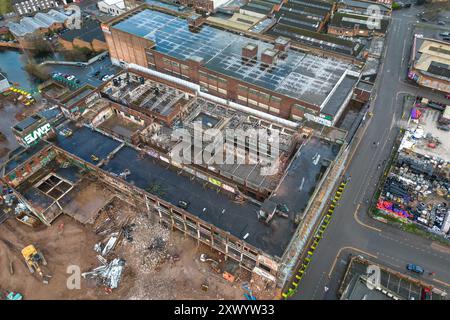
(416, 190)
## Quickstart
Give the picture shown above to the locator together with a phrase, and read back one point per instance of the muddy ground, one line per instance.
(174, 272)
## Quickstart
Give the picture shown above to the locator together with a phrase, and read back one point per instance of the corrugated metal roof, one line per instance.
(45, 19)
(60, 17)
(16, 29)
(29, 25)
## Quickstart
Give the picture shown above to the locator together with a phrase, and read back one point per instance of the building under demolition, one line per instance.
(117, 140)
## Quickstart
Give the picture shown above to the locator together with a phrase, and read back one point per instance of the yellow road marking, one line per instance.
(348, 248)
(355, 215)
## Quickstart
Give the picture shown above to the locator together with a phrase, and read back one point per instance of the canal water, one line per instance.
(12, 63)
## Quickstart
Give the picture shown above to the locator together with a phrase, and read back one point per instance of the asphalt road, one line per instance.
(351, 230)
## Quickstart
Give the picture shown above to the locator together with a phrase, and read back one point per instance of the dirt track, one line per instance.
(61, 249)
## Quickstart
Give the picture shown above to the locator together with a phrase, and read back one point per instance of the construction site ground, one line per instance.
(160, 264)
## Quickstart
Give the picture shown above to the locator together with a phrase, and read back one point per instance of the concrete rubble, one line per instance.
(150, 242)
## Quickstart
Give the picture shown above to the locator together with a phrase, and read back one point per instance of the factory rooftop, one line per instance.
(363, 5)
(259, 7)
(21, 154)
(186, 111)
(236, 218)
(300, 75)
(302, 16)
(433, 58)
(304, 173)
(351, 20)
(171, 6)
(316, 39)
(342, 92)
(89, 31)
(316, 4)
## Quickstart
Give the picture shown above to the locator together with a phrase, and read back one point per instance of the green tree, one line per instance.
(5, 6)
(78, 54)
(37, 71)
(41, 47)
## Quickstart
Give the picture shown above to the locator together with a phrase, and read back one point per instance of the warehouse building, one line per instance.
(40, 23)
(363, 7)
(309, 15)
(356, 25)
(112, 7)
(269, 76)
(430, 64)
(90, 36)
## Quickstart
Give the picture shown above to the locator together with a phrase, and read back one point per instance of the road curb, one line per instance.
(318, 235)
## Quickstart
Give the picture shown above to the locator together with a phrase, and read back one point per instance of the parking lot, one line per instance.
(91, 74)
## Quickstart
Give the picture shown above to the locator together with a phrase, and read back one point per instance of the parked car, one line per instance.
(66, 132)
(283, 208)
(441, 23)
(106, 77)
(444, 34)
(183, 204)
(70, 78)
(414, 268)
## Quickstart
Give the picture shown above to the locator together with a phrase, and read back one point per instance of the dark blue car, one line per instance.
(414, 268)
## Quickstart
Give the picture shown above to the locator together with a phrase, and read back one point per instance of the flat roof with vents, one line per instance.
(350, 20)
(300, 75)
(434, 58)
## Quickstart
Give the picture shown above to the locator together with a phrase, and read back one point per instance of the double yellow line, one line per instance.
(317, 237)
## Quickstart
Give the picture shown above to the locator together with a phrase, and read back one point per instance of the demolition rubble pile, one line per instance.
(149, 246)
(115, 227)
(148, 251)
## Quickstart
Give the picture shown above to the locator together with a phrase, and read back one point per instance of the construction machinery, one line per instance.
(34, 259)
(14, 296)
(27, 219)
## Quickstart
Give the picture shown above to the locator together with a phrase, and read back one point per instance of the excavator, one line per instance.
(34, 259)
